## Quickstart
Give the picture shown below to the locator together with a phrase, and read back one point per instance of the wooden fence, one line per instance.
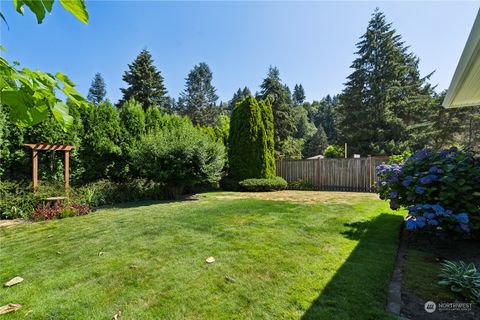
(353, 174)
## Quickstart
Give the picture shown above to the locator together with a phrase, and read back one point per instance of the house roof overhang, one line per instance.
(464, 89)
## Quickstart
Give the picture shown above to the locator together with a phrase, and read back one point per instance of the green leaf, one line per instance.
(23, 111)
(37, 8)
(18, 6)
(60, 112)
(77, 8)
(64, 79)
(48, 5)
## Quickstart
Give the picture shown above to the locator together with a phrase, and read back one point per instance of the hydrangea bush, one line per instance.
(440, 189)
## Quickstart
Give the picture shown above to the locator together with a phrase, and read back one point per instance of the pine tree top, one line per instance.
(145, 82)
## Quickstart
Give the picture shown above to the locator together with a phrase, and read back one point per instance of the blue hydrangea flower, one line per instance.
(428, 179)
(462, 217)
(421, 221)
(393, 195)
(429, 215)
(433, 169)
(406, 182)
(439, 210)
(411, 224)
(419, 190)
(433, 222)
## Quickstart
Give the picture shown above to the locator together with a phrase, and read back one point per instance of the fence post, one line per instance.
(370, 177)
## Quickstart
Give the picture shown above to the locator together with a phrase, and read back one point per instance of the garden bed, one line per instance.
(420, 277)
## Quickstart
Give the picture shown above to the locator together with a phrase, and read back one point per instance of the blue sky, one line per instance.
(312, 43)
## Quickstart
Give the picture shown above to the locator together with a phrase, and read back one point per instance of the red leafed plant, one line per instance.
(59, 211)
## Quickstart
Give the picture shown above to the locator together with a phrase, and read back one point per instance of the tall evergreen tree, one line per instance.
(145, 83)
(326, 117)
(282, 106)
(384, 94)
(97, 91)
(250, 152)
(199, 97)
(238, 97)
(298, 94)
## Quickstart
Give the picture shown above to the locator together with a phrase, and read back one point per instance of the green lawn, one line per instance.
(328, 259)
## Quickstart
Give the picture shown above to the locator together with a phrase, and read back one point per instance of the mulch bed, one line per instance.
(413, 307)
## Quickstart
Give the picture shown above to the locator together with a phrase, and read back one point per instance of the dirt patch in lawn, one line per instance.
(301, 196)
(11, 223)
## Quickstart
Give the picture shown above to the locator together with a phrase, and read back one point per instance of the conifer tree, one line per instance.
(384, 94)
(282, 106)
(298, 94)
(238, 97)
(97, 91)
(250, 151)
(198, 98)
(267, 119)
(145, 83)
(326, 116)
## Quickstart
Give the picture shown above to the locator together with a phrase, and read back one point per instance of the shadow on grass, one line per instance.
(359, 288)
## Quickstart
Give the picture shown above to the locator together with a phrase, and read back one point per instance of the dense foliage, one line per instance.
(178, 157)
(262, 185)
(441, 190)
(316, 144)
(18, 201)
(334, 151)
(251, 144)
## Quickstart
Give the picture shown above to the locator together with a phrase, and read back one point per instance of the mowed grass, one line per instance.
(288, 260)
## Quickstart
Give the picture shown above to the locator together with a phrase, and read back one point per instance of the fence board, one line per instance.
(353, 174)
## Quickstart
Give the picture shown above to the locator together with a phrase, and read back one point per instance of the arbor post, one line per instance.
(35, 170)
(67, 169)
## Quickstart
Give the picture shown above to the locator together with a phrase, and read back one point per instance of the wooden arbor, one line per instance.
(49, 147)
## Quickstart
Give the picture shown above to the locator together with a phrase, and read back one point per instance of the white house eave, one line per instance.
(464, 89)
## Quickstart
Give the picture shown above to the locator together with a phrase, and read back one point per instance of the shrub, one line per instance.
(399, 158)
(59, 211)
(251, 144)
(301, 185)
(266, 184)
(100, 152)
(17, 199)
(105, 192)
(179, 157)
(441, 189)
(334, 151)
(462, 278)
